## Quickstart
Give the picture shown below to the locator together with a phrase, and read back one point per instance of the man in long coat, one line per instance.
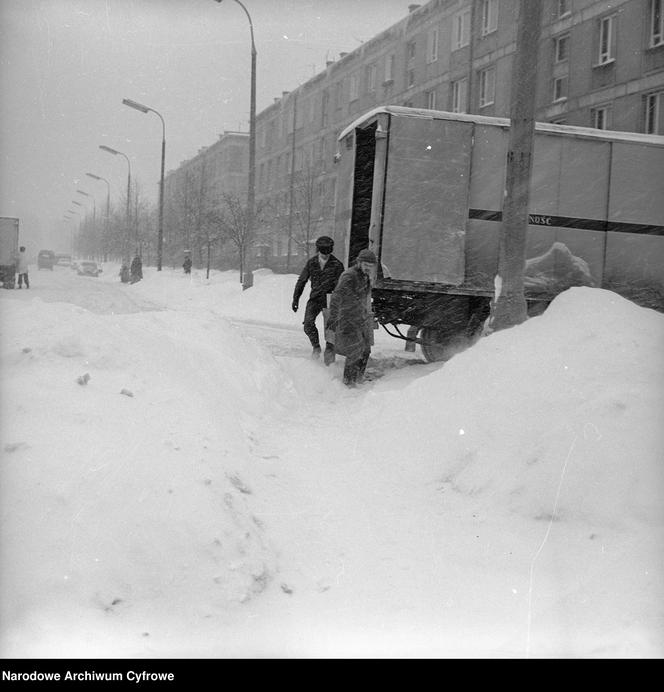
(136, 269)
(351, 317)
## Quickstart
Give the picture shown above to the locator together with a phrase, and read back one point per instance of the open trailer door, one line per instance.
(426, 200)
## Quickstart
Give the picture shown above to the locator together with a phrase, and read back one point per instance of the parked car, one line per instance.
(46, 259)
(63, 260)
(87, 268)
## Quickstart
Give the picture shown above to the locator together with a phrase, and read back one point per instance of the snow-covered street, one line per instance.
(180, 479)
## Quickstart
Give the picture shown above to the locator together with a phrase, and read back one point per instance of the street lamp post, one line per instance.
(115, 152)
(252, 128)
(108, 208)
(94, 206)
(71, 234)
(160, 233)
(94, 211)
(80, 216)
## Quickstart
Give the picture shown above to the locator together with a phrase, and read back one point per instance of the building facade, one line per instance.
(601, 64)
(195, 190)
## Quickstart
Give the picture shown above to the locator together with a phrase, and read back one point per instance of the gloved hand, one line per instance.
(295, 305)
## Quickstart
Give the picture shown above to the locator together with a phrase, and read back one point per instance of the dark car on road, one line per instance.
(46, 259)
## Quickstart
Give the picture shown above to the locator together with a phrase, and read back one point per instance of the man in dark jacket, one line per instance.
(322, 270)
(351, 317)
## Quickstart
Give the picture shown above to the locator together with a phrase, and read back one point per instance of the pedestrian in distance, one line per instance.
(186, 265)
(22, 268)
(322, 270)
(136, 270)
(124, 273)
(351, 317)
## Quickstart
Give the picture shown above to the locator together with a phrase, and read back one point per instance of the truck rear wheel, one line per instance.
(438, 345)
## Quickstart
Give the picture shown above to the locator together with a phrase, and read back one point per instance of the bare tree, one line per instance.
(233, 223)
(143, 225)
(193, 219)
(308, 205)
(210, 234)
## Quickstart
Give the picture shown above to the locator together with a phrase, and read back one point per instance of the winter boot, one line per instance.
(328, 355)
(315, 354)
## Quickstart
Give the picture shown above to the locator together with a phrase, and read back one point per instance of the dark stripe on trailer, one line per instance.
(572, 222)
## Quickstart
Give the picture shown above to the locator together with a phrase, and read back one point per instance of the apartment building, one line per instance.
(196, 187)
(601, 64)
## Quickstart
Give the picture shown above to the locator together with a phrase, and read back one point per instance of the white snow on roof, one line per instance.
(570, 130)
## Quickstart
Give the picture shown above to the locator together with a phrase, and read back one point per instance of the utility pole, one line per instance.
(510, 308)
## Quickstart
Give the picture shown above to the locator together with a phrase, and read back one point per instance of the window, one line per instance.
(354, 87)
(563, 8)
(601, 117)
(655, 114)
(487, 86)
(656, 23)
(560, 88)
(459, 95)
(323, 152)
(489, 16)
(461, 29)
(324, 103)
(389, 68)
(410, 78)
(338, 94)
(562, 48)
(371, 78)
(410, 50)
(432, 45)
(606, 39)
(431, 100)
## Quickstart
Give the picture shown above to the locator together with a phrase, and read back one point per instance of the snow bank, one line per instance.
(559, 437)
(181, 479)
(136, 512)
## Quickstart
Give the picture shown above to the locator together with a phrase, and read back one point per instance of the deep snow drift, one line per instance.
(209, 491)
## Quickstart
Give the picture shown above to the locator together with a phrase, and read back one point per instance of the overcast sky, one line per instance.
(66, 65)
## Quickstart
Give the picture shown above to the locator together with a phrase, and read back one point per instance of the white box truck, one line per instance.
(8, 250)
(424, 190)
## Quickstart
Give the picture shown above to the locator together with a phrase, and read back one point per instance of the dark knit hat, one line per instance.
(367, 256)
(325, 243)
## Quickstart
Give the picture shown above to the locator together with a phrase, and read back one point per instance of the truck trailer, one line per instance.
(424, 190)
(8, 250)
